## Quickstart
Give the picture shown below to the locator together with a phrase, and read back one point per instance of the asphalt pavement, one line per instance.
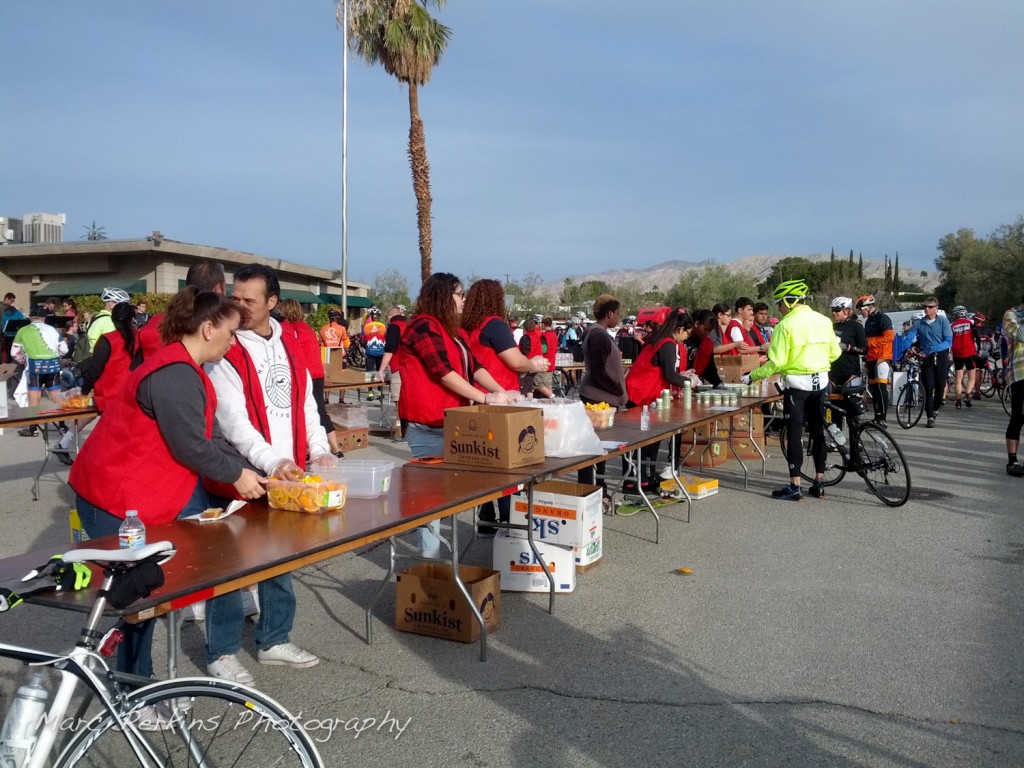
(834, 632)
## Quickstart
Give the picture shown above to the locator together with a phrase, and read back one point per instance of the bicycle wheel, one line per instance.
(910, 404)
(1004, 398)
(835, 464)
(986, 386)
(880, 462)
(210, 723)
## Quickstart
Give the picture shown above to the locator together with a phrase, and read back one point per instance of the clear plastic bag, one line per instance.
(568, 430)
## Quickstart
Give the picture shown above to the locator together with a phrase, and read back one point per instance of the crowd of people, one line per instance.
(217, 395)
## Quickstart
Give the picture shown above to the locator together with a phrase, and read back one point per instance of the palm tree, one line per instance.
(403, 38)
(92, 232)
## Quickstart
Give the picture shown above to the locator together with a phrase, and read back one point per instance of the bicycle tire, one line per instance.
(1004, 398)
(834, 472)
(910, 404)
(221, 724)
(986, 385)
(881, 463)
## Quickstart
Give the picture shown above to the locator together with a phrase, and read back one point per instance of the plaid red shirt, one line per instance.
(429, 347)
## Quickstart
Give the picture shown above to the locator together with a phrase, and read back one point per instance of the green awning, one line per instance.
(353, 301)
(89, 286)
(303, 297)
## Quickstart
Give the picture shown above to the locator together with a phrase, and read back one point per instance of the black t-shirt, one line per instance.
(853, 341)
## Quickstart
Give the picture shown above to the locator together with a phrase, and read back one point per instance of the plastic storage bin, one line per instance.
(364, 479)
(305, 496)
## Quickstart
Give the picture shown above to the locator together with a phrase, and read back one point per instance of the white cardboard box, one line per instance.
(521, 572)
(568, 514)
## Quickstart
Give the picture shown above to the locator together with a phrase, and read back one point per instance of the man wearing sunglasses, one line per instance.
(934, 340)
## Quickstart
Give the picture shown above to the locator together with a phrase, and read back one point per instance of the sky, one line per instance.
(564, 136)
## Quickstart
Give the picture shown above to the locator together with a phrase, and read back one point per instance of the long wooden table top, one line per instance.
(44, 413)
(257, 542)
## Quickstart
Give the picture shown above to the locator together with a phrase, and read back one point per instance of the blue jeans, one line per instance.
(427, 441)
(225, 617)
(135, 654)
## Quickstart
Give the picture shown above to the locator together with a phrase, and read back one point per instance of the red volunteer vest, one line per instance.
(644, 380)
(149, 336)
(552, 340)
(535, 348)
(727, 337)
(431, 398)
(115, 372)
(126, 464)
(309, 346)
(756, 335)
(490, 361)
(256, 406)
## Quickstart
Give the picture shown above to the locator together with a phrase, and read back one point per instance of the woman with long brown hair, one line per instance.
(439, 372)
(492, 343)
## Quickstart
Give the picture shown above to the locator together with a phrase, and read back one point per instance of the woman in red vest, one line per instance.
(117, 353)
(159, 426)
(493, 345)
(294, 320)
(657, 368)
(438, 373)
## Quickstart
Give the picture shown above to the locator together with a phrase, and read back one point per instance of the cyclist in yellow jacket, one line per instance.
(801, 351)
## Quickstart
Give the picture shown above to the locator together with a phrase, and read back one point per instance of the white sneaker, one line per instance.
(194, 612)
(287, 655)
(152, 717)
(666, 473)
(229, 668)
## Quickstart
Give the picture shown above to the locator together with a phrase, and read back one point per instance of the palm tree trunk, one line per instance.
(420, 179)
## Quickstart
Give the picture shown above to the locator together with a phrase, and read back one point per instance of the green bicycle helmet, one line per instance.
(791, 291)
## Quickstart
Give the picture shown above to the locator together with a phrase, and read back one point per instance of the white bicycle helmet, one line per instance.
(919, 315)
(842, 302)
(114, 294)
(960, 310)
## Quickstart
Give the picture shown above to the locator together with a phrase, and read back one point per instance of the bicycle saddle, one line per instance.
(162, 550)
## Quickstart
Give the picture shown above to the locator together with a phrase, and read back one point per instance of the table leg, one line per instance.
(45, 436)
(457, 578)
(174, 622)
(380, 590)
(679, 482)
(533, 548)
(637, 462)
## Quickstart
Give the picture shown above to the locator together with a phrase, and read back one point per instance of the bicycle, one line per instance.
(871, 451)
(910, 403)
(190, 721)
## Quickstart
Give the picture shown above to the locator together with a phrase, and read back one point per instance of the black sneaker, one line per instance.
(881, 423)
(27, 431)
(817, 490)
(486, 530)
(1015, 470)
(968, 403)
(787, 493)
(63, 455)
(931, 422)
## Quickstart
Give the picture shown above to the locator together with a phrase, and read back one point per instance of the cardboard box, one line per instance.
(498, 436)
(521, 572)
(587, 556)
(732, 367)
(77, 529)
(564, 513)
(696, 487)
(427, 601)
(345, 416)
(352, 439)
(714, 457)
(334, 363)
(741, 423)
(745, 449)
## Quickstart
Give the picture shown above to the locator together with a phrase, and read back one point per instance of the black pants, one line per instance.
(587, 474)
(879, 390)
(1016, 411)
(800, 406)
(934, 370)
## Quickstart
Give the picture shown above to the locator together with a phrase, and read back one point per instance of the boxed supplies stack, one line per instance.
(520, 570)
(565, 515)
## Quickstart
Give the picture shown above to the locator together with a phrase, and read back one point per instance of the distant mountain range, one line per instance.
(668, 273)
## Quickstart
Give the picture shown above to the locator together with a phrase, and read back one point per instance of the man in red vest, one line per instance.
(267, 413)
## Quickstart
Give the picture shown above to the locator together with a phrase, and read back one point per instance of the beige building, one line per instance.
(35, 271)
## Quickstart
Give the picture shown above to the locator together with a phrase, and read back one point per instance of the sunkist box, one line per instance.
(563, 513)
(521, 571)
(428, 602)
(502, 437)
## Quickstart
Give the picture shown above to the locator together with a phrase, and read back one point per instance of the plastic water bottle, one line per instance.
(837, 434)
(132, 533)
(645, 419)
(687, 394)
(22, 722)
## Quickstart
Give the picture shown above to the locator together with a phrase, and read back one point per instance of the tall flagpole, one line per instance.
(344, 161)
